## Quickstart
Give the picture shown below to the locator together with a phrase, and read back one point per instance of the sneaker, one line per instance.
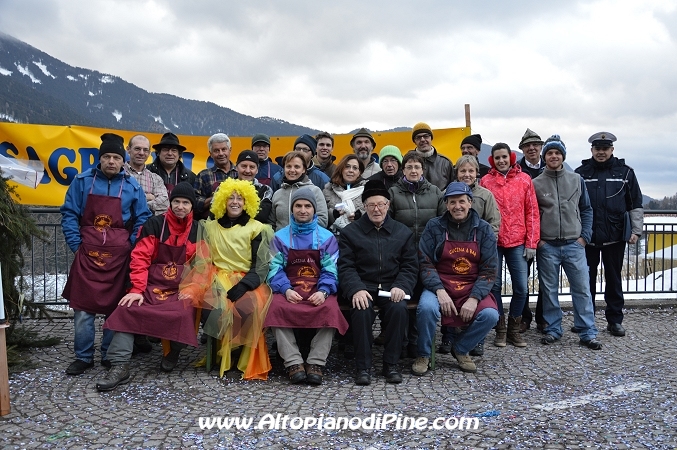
(392, 373)
(420, 366)
(78, 367)
(297, 373)
(314, 374)
(362, 377)
(465, 363)
(592, 344)
(117, 375)
(445, 348)
(548, 339)
(616, 329)
(478, 350)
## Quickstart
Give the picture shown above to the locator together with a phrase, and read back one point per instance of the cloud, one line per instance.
(571, 68)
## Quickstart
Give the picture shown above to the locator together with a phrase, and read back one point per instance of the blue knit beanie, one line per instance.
(554, 142)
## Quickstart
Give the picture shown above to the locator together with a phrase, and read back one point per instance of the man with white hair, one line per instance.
(209, 179)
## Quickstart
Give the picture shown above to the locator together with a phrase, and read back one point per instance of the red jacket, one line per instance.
(177, 232)
(516, 199)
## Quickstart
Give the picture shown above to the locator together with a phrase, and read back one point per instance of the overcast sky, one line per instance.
(571, 68)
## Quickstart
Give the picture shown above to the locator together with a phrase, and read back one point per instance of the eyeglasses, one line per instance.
(423, 136)
(373, 206)
(413, 167)
(300, 149)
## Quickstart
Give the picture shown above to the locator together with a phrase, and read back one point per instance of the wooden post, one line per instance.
(467, 115)
(4, 374)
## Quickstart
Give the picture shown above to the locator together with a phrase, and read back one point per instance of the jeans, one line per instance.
(517, 266)
(427, 315)
(85, 334)
(612, 258)
(571, 257)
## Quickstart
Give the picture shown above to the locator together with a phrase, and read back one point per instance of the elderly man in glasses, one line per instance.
(378, 267)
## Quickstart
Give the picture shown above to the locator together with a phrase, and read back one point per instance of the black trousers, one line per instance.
(395, 329)
(612, 258)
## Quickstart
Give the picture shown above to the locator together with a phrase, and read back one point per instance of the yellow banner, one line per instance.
(68, 150)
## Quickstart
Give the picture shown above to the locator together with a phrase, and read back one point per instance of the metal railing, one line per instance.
(650, 267)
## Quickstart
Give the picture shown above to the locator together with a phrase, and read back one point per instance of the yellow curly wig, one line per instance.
(244, 188)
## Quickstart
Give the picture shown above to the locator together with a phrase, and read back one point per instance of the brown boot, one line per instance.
(501, 331)
(514, 336)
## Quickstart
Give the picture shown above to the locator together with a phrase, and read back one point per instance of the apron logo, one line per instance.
(102, 221)
(163, 295)
(306, 271)
(99, 257)
(306, 286)
(170, 271)
(461, 265)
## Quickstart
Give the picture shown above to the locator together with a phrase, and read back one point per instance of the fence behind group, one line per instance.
(649, 269)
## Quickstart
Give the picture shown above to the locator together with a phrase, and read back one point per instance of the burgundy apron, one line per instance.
(162, 314)
(96, 281)
(303, 270)
(458, 269)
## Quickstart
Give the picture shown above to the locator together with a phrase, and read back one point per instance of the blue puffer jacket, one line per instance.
(432, 243)
(135, 211)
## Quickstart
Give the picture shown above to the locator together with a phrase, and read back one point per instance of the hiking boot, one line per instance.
(314, 374)
(392, 373)
(524, 326)
(514, 336)
(501, 332)
(420, 366)
(117, 375)
(168, 363)
(616, 329)
(445, 348)
(141, 345)
(592, 344)
(297, 373)
(78, 367)
(465, 363)
(478, 350)
(362, 377)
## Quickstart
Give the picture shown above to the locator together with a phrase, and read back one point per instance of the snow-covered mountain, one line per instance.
(37, 88)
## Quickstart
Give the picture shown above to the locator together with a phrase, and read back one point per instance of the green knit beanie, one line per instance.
(390, 150)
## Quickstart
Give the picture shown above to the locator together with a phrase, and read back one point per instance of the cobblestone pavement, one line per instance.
(557, 396)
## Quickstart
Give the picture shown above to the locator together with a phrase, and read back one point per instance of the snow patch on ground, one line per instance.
(5, 72)
(71, 77)
(91, 94)
(117, 114)
(107, 79)
(43, 68)
(25, 71)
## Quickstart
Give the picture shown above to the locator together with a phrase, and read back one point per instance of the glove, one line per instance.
(529, 253)
(236, 292)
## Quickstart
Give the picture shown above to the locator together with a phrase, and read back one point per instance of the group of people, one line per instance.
(310, 246)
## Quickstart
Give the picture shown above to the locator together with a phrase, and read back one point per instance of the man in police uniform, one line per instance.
(617, 218)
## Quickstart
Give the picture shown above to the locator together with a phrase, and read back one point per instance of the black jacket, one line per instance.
(386, 180)
(533, 173)
(180, 172)
(373, 258)
(615, 197)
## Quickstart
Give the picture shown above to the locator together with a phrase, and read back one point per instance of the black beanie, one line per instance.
(183, 190)
(373, 188)
(474, 139)
(112, 143)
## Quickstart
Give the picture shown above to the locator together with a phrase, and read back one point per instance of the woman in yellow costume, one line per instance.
(228, 276)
